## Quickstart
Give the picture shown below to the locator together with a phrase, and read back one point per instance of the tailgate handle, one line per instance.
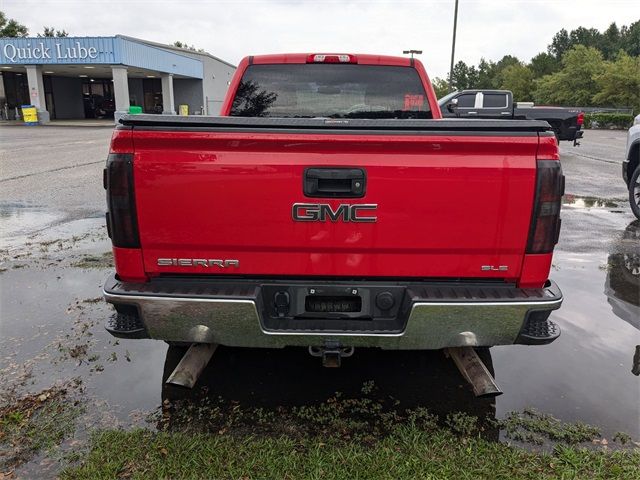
(335, 182)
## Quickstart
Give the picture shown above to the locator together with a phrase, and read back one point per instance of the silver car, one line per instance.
(631, 166)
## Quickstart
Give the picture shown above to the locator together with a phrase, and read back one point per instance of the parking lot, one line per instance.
(55, 255)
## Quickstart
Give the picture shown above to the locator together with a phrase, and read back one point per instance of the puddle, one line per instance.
(24, 226)
(63, 234)
(593, 229)
(17, 221)
(577, 201)
(587, 374)
(51, 319)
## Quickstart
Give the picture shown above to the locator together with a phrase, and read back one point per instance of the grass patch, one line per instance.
(344, 438)
(535, 427)
(407, 452)
(359, 419)
(365, 420)
(95, 261)
(34, 423)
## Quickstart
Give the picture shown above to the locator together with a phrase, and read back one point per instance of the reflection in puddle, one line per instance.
(576, 201)
(19, 220)
(622, 286)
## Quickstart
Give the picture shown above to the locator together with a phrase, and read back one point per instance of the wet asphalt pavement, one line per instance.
(52, 268)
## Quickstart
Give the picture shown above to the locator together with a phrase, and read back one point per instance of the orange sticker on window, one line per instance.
(413, 102)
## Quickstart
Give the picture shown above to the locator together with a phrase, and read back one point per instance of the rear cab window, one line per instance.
(494, 100)
(330, 91)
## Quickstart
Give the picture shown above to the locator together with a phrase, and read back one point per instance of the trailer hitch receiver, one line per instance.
(332, 353)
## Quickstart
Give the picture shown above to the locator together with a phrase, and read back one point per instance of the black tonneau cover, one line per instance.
(323, 125)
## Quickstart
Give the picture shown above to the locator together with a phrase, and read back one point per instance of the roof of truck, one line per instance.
(363, 59)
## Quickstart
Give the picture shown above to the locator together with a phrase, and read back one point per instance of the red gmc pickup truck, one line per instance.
(332, 206)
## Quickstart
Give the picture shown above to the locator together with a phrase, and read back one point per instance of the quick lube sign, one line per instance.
(41, 52)
(25, 51)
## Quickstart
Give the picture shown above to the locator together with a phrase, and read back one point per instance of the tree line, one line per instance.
(583, 67)
(12, 28)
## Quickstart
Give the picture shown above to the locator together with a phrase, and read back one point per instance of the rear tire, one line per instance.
(634, 192)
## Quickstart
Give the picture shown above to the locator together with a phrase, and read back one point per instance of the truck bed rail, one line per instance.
(331, 125)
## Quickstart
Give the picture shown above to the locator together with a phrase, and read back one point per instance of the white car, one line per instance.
(631, 166)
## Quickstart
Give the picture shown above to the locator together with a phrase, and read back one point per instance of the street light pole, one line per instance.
(453, 45)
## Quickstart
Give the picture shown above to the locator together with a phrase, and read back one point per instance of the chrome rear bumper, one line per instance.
(438, 315)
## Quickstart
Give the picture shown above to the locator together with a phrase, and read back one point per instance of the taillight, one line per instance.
(331, 58)
(122, 221)
(545, 222)
(580, 118)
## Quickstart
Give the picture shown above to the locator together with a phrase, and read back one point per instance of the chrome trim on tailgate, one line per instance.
(228, 315)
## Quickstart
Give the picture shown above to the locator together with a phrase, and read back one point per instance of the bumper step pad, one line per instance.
(539, 332)
(123, 325)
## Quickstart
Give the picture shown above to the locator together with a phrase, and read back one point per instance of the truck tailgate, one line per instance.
(449, 203)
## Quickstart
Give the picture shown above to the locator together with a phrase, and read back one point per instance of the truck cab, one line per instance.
(495, 104)
(478, 104)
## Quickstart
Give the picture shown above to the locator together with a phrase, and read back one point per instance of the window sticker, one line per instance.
(413, 102)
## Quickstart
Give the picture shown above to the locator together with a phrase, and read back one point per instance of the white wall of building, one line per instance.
(215, 81)
(188, 91)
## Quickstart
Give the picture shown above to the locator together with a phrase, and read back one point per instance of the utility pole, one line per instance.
(453, 45)
(417, 52)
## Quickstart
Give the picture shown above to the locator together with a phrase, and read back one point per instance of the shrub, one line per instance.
(608, 120)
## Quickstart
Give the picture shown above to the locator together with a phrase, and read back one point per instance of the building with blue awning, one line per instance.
(101, 77)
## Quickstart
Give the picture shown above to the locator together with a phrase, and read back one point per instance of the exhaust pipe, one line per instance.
(474, 371)
(188, 371)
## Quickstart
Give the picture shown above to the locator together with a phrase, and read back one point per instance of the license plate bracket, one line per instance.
(333, 304)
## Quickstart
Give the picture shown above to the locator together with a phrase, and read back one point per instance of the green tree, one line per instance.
(559, 44)
(486, 74)
(52, 32)
(11, 28)
(544, 64)
(441, 87)
(500, 66)
(519, 79)
(506, 61)
(576, 83)
(630, 37)
(611, 42)
(589, 37)
(464, 77)
(186, 46)
(619, 83)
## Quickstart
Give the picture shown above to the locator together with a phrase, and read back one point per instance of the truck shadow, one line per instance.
(275, 379)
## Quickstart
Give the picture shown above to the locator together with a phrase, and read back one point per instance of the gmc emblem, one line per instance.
(321, 212)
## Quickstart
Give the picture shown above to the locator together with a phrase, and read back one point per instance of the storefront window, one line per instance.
(98, 98)
(17, 94)
(152, 88)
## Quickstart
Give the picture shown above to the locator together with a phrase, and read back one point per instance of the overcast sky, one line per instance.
(233, 29)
